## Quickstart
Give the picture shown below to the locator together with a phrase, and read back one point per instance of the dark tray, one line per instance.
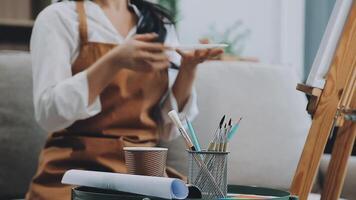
(87, 193)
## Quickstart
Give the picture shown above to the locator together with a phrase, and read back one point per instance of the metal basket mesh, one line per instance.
(208, 171)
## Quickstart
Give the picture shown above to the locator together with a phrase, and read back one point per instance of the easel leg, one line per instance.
(311, 156)
(336, 172)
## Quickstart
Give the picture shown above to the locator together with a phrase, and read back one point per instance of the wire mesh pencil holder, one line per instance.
(208, 171)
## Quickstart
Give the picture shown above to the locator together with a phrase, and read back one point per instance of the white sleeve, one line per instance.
(60, 98)
(190, 109)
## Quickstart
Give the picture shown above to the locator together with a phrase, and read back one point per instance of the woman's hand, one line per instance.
(191, 59)
(140, 54)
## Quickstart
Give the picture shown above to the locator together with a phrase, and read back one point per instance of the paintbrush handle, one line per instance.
(211, 146)
(233, 132)
(175, 119)
(193, 135)
(225, 147)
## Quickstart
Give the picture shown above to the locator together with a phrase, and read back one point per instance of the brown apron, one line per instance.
(127, 119)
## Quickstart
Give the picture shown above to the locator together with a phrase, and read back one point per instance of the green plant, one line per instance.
(235, 36)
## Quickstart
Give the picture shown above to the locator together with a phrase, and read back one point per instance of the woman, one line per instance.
(103, 79)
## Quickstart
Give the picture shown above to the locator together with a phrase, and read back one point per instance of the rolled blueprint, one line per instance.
(167, 188)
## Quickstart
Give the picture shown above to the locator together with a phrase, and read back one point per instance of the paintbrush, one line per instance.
(212, 144)
(233, 130)
(225, 135)
(175, 119)
(221, 139)
(193, 135)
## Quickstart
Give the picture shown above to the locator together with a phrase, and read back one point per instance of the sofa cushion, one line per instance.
(348, 191)
(267, 147)
(20, 137)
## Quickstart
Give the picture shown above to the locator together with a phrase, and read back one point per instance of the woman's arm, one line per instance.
(59, 96)
(183, 85)
(181, 95)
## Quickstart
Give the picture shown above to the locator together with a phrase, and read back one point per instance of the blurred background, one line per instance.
(272, 47)
(270, 31)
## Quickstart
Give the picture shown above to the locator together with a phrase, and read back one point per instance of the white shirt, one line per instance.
(60, 98)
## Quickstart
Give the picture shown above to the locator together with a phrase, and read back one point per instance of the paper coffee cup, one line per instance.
(146, 161)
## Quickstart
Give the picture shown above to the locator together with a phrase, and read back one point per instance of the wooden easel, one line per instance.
(331, 107)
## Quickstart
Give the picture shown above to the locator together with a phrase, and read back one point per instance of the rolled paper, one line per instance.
(167, 188)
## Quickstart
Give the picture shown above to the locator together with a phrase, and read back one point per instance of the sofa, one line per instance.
(265, 151)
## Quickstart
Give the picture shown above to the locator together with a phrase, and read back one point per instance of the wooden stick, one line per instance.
(342, 150)
(337, 169)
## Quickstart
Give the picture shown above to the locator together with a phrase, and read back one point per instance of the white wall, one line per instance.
(277, 26)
